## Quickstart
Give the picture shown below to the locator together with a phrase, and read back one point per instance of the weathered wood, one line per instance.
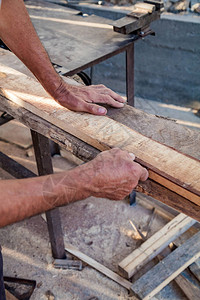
(96, 265)
(86, 152)
(165, 271)
(128, 25)
(154, 245)
(159, 129)
(169, 198)
(195, 269)
(191, 290)
(164, 163)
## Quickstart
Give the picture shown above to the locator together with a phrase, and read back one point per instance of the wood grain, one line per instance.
(195, 269)
(191, 290)
(166, 165)
(86, 152)
(155, 244)
(171, 266)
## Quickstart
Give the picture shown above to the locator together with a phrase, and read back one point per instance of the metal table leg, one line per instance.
(130, 74)
(44, 165)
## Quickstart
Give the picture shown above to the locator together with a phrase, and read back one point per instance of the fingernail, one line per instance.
(102, 110)
(132, 156)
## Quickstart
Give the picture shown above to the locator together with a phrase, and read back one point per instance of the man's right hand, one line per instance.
(112, 174)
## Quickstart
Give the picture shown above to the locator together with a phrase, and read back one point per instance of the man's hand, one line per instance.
(113, 174)
(82, 98)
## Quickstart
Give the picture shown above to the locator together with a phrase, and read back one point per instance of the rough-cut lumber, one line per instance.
(86, 152)
(96, 265)
(183, 280)
(178, 172)
(128, 25)
(154, 245)
(195, 269)
(145, 6)
(191, 290)
(167, 132)
(166, 270)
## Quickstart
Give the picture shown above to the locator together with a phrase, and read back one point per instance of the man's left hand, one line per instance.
(82, 98)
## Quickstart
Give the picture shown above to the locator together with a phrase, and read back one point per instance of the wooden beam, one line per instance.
(96, 265)
(154, 245)
(195, 269)
(164, 163)
(191, 290)
(166, 270)
(128, 25)
(86, 152)
(171, 134)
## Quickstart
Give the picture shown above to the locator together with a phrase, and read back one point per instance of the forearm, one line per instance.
(22, 198)
(18, 33)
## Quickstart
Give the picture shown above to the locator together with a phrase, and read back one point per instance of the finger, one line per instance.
(144, 174)
(116, 96)
(107, 91)
(107, 99)
(94, 109)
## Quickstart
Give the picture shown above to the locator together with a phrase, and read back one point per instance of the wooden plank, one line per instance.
(128, 25)
(183, 280)
(86, 152)
(154, 245)
(195, 269)
(145, 6)
(165, 271)
(191, 290)
(96, 265)
(169, 198)
(167, 132)
(164, 163)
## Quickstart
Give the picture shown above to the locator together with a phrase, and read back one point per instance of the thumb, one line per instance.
(94, 109)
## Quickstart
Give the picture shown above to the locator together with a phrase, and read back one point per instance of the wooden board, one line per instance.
(166, 270)
(195, 269)
(145, 6)
(178, 172)
(159, 129)
(96, 265)
(128, 25)
(191, 290)
(154, 245)
(86, 152)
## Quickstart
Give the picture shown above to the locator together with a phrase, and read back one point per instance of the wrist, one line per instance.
(71, 186)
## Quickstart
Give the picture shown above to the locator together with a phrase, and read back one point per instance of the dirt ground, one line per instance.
(98, 227)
